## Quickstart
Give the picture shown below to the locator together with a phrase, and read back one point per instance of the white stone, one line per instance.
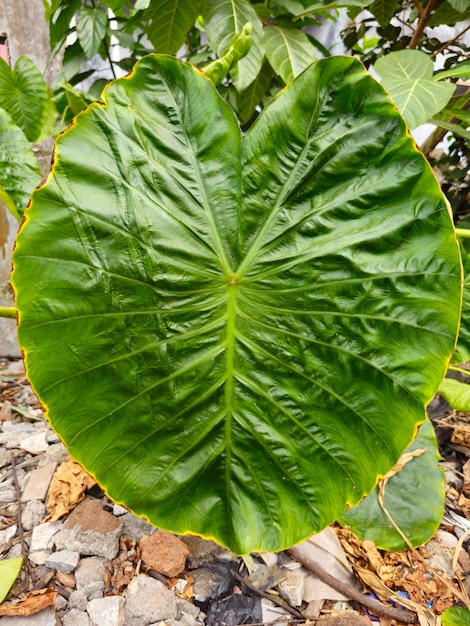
(148, 601)
(39, 556)
(43, 534)
(89, 575)
(76, 618)
(63, 560)
(34, 444)
(107, 611)
(6, 537)
(33, 512)
(292, 587)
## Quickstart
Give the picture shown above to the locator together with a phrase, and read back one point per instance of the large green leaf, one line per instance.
(407, 76)
(26, 97)
(223, 19)
(168, 23)
(414, 497)
(19, 170)
(288, 50)
(236, 334)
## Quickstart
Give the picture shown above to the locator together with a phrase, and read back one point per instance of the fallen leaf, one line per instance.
(67, 488)
(9, 570)
(36, 601)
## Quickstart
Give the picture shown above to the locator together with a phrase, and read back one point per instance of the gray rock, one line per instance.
(38, 482)
(107, 611)
(135, 527)
(39, 557)
(185, 609)
(63, 560)
(148, 601)
(43, 618)
(34, 444)
(76, 618)
(204, 584)
(201, 550)
(90, 531)
(78, 600)
(6, 537)
(89, 575)
(41, 539)
(292, 587)
(33, 512)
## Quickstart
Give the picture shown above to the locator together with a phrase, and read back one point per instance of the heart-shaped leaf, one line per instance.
(169, 21)
(414, 497)
(25, 96)
(92, 24)
(288, 50)
(236, 334)
(19, 170)
(407, 76)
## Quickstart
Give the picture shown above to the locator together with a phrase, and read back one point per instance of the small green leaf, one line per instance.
(460, 5)
(92, 24)
(223, 19)
(448, 15)
(407, 76)
(304, 7)
(457, 394)
(384, 10)
(19, 170)
(247, 101)
(288, 50)
(456, 616)
(461, 70)
(168, 21)
(26, 97)
(414, 497)
(462, 353)
(456, 129)
(9, 570)
(238, 48)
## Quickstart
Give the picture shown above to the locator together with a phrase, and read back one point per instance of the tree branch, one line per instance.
(424, 18)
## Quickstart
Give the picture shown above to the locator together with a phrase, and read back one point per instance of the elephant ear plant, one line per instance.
(237, 333)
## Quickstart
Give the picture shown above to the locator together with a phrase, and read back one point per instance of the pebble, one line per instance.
(148, 601)
(63, 560)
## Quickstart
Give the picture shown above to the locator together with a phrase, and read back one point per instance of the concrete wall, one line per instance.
(22, 21)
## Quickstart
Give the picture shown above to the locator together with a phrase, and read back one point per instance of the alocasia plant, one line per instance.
(237, 333)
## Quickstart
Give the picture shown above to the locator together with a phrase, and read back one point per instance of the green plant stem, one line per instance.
(463, 232)
(459, 369)
(424, 18)
(8, 311)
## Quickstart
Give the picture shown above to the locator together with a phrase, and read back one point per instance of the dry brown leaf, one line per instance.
(67, 488)
(461, 435)
(36, 601)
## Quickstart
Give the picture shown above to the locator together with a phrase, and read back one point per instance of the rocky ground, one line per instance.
(89, 562)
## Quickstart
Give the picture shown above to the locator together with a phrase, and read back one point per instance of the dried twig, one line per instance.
(263, 594)
(24, 550)
(401, 615)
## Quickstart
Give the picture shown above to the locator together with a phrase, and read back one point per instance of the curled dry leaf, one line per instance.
(36, 601)
(67, 488)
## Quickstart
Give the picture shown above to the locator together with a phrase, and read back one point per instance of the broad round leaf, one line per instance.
(414, 497)
(236, 334)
